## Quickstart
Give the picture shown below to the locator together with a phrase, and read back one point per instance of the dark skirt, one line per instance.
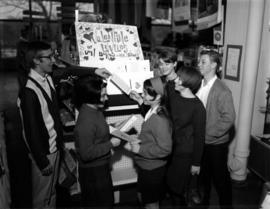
(96, 186)
(178, 175)
(151, 184)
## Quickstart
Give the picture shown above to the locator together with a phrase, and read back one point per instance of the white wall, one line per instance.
(235, 34)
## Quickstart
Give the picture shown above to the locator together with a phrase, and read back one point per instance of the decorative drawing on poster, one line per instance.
(107, 42)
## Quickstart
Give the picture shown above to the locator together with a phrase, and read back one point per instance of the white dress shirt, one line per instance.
(204, 90)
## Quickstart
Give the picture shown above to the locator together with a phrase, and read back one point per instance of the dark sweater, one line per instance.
(189, 117)
(92, 137)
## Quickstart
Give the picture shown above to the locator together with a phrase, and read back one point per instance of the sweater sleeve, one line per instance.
(161, 133)
(88, 146)
(226, 115)
(34, 127)
(71, 70)
(199, 120)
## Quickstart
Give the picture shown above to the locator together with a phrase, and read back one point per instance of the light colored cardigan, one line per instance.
(220, 113)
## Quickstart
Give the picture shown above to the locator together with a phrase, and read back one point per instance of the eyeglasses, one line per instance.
(50, 56)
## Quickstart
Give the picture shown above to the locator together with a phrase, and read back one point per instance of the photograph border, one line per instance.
(229, 61)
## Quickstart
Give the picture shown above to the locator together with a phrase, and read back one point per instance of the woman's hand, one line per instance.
(136, 97)
(135, 146)
(115, 141)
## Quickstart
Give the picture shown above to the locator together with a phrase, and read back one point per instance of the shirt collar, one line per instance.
(35, 75)
(151, 112)
(210, 82)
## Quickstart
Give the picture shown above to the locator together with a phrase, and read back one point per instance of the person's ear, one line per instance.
(213, 65)
(174, 64)
(36, 61)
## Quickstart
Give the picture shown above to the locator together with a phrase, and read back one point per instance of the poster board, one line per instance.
(107, 42)
(116, 48)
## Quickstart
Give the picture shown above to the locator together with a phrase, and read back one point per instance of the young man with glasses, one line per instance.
(41, 123)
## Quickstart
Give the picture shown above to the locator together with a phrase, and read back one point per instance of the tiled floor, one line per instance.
(245, 196)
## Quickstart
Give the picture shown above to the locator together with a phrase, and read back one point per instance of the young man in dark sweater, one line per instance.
(41, 123)
(42, 126)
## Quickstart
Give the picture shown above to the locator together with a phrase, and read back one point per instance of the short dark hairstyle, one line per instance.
(214, 57)
(149, 88)
(167, 55)
(87, 89)
(191, 78)
(34, 49)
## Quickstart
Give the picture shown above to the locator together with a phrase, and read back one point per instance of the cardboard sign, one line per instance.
(107, 42)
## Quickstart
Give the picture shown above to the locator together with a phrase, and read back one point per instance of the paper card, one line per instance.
(137, 80)
(138, 66)
(126, 75)
(126, 124)
(129, 123)
(121, 135)
(121, 83)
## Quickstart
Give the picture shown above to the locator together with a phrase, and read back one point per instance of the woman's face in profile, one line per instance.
(103, 98)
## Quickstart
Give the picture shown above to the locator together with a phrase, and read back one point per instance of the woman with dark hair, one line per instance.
(189, 117)
(155, 143)
(93, 143)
